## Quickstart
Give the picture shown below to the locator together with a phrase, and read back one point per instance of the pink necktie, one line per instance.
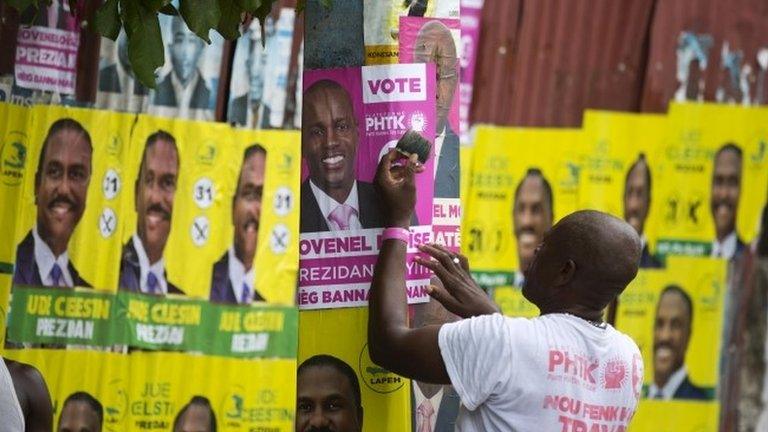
(341, 216)
(426, 411)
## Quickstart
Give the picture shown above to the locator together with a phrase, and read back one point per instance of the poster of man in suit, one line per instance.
(142, 265)
(61, 189)
(724, 201)
(234, 273)
(118, 88)
(637, 204)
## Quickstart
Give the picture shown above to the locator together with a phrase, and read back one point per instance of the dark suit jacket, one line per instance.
(312, 219)
(109, 81)
(238, 110)
(130, 272)
(446, 414)
(688, 390)
(740, 247)
(447, 174)
(28, 273)
(221, 286)
(647, 260)
(165, 96)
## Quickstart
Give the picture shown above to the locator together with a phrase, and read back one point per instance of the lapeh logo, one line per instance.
(207, 152)
(375, 377)
(115, 406)
(13, 158)
(246, 406)
(115, 145)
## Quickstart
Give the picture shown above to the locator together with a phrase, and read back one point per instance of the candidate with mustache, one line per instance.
(61, 188)
(234, 274)
(532, 216)
(435, 44)
(671, 334)
(142, 266)
(328, 397)
(724, 201)
(332, 199)
(637, 203)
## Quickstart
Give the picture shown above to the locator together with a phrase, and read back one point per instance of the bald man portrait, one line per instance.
(332, 199)
(328, 396)
(435, 44)
(61, 189)
(196, 416)
(81, 412)
(184, 86)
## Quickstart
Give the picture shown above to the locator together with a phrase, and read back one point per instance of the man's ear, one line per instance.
(566, 273)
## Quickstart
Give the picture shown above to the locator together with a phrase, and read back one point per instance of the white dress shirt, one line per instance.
(328, 204)
(45, 259)
(670, 387)
(725, 249)
(435, 400)
(238, 276)
(158, 268)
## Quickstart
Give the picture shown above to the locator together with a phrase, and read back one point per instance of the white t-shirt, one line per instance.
(556, 372)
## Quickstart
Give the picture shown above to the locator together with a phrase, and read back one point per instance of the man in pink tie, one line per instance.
(61, 189)
(332, 199)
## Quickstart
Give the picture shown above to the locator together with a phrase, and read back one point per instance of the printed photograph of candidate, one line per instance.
(247, 85)
(671, 334)
(61, 188)
(328, 396)
(434, 407)
(332, 199)
(234, 273)
(142, 266)
(81, 412)
(532, 217)
(435, 44)
(184, 86)
(118, 87)
(724, 201)
(196, 416)
(637, 204)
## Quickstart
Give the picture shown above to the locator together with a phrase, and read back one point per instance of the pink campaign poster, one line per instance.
(471, 12)
(351, 117)
(437, 41)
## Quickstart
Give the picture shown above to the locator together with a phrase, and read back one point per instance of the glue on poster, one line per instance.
(675, 316)
(351, 118)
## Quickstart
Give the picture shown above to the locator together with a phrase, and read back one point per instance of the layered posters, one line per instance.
(382, 24)
(620, 163)
(187, 84)
(675, 316)
(522, 182)
(432, 40)
(351, 118)
(471, 13)
(713, 180)
(14, 133)
(195, 225)
(259, 85)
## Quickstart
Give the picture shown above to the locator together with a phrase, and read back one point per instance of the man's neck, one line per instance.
(339, 194)
(57, 246)
(247, 263)
(722, 236)
(585, 313)
(429, 390)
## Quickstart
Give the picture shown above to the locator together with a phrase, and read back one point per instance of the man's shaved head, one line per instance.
(584, 262)
(435, 44)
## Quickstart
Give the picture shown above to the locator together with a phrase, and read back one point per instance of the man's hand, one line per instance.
(459, 293)
(396, 187)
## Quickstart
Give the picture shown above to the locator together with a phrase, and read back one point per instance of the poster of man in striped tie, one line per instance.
(142, 267)
(61, 188)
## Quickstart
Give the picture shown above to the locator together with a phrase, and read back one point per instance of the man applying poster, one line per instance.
(331, 197)
(61, 188)
(724, 201)
(234, 273)
(142, 266)
(671, 334)
(637, 203)
(532, 216)
(435, 44)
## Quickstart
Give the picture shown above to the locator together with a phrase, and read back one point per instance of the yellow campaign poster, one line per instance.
(675, 316)
(72, 200)
(152, 391)
(522, 181)
(713, 179)
(5, 292)
(465, 160)
(619, 159)
(14, 162)
(339, 336)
